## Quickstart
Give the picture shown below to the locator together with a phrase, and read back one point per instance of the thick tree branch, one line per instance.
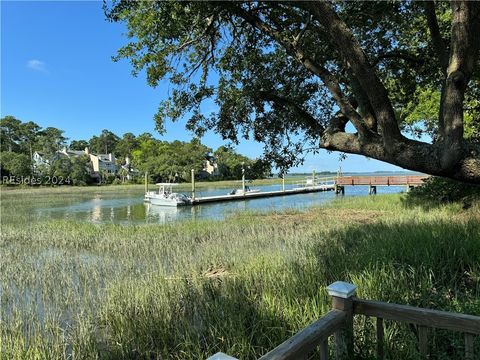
(442, 54)
(364, 107)
(340, 140)
(302, 31)
(337, 124)
(295, 51)
(399, 54)
(353, 54)
(409, 154)
(463, 55)
(437, 40)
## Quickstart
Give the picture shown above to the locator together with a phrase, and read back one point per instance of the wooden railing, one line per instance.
(424, 318)
(303, 343)
(339, 323)
(381, 180)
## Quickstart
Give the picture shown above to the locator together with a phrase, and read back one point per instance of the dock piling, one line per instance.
(193, 185)
(339, 190)
(243, 178)
(146, 182)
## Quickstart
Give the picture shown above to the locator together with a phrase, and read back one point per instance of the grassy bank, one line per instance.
(199, 185)
(241, 286)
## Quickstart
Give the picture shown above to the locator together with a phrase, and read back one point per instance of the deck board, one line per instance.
(263, 194)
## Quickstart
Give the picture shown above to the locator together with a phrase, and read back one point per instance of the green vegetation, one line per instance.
(163, 160)
(18, 164)
(292, 75)
(182, 187)
(241, 286)
(436, 190)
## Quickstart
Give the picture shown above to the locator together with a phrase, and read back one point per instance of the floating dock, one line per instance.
(310, 185)
(262, 194)
(336, 184)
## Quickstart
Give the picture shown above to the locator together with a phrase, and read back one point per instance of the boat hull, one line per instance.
(161, 201)
(241, 192)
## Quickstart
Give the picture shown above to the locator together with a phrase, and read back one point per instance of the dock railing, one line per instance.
(338, 324)
(315, 181)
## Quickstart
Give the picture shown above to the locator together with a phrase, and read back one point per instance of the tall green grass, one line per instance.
(241, 285)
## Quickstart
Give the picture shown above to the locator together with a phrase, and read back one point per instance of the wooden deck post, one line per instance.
(221, 356)
(342, 294)
(380, 339)
(423, 341)
(469, 354)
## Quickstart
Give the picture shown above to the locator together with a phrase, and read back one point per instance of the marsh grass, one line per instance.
(185, 186)
(241, 285)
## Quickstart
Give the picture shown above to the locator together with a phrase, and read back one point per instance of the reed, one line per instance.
(185, 186)
(241, 285)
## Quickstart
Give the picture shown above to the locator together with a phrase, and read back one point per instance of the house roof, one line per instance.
(76, 152)
(105, 157)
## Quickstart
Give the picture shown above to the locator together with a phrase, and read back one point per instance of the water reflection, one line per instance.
(162, 214)
(129, 208)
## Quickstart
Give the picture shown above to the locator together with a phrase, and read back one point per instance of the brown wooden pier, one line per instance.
(336, 184)
(373, 181)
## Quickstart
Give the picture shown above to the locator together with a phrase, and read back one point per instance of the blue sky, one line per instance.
(56, 70)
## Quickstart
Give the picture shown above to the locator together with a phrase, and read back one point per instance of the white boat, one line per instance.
(311, 183)
(166, 197)
(241, 192)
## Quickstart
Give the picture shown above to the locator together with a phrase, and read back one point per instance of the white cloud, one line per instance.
(36, 65)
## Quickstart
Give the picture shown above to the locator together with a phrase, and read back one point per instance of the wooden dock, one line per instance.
(414, 180)
(313, 185)
(263, 194)
(409, 181)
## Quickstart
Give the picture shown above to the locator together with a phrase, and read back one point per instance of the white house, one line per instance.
(39, 159)
(103, 162)
(128, 172)
(210, 167)
(100, 162)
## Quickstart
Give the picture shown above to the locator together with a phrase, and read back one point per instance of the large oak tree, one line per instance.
(294, 74)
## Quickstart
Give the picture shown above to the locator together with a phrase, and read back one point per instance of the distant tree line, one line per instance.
(164, 161)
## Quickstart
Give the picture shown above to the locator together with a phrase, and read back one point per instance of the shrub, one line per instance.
(437, 189)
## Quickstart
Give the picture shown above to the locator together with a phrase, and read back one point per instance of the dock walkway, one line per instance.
(326, 184)
(315, 185)
(263, 194)
(411, 180)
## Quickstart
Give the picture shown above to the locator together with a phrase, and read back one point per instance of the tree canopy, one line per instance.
(230, 165)
(170, 161)
(163, 160)
(104, 143)
(293, 75)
